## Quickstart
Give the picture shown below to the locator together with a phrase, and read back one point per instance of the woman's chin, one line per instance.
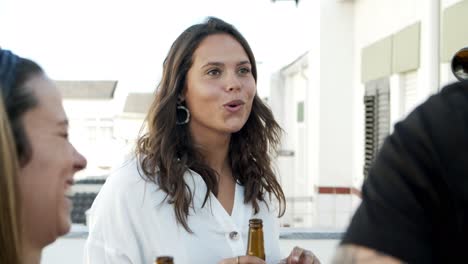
(235, 127)
(64, 225)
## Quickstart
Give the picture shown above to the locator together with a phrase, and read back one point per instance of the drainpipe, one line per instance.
(434, 45)
(310, 189)
(429, 71)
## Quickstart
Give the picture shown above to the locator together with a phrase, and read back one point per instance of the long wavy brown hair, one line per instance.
(10, 244)
(166, 151)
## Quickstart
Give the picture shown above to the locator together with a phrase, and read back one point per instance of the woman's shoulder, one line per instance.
(126, 194)
(124, 211)
(127, 172)
(127, 182)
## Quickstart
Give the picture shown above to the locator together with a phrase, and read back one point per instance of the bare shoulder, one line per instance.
(358, 254)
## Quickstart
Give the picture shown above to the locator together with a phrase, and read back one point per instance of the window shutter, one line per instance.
(370, 131)
(383, 110)
(377, 119)
(410, 91)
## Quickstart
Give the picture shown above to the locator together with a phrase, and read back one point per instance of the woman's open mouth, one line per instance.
(234, 106)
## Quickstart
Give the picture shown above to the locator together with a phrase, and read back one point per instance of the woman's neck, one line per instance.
(31, 255)
(216, 155)
(214, 148)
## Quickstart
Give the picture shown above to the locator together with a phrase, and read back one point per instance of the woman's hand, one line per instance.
(300, 256)
(242, 260)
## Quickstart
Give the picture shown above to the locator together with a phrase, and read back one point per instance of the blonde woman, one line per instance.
(46, 159)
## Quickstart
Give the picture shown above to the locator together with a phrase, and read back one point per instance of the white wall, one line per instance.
(447, 3)
(313, 103)
(375, 20)
(90, 108)
(336, 78)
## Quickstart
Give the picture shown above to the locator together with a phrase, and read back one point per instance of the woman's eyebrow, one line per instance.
(213, 63)
(243, 62)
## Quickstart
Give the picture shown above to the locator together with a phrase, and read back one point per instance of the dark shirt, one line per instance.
(415, 199)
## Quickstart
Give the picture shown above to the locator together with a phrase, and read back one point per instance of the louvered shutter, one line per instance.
(370, 131)
(377, 119)
(410, 91)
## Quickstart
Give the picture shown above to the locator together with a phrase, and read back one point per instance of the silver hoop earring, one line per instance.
(187, 115)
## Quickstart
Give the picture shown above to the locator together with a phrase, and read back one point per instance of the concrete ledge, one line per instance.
(81, 231)
(77, 231)
(310, 233)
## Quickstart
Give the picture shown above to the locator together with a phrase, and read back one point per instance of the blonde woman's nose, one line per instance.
(79, 161)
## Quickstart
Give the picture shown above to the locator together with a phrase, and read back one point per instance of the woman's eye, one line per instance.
(244, 70)
(214, 72)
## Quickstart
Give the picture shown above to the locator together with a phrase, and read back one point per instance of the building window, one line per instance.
(300, 112)
(107, 132)
(91, 133)
(99, 129)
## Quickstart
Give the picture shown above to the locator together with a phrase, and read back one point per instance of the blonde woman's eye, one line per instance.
(64, 135)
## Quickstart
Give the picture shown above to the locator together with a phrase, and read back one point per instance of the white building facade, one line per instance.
(372, 63)
(104, 122)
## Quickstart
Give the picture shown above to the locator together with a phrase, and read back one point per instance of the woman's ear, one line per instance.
(180, 98)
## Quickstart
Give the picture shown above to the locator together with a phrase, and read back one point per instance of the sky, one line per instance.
(127, 40)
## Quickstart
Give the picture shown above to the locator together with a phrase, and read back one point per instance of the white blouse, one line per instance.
(131, 223)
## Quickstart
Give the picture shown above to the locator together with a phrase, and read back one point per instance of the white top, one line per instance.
(131, 223)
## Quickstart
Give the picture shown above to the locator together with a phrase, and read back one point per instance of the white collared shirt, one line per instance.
(130, 222)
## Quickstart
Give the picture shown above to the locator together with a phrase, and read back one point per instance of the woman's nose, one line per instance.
(79, 161)
(233, 82)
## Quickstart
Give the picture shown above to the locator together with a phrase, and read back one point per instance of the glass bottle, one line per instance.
(164, 260)
(255, 245)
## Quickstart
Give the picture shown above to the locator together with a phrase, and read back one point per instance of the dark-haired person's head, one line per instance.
(46, 159)
(208, 89)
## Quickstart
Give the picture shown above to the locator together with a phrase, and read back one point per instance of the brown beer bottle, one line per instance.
(255, 244)
(164, 260)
